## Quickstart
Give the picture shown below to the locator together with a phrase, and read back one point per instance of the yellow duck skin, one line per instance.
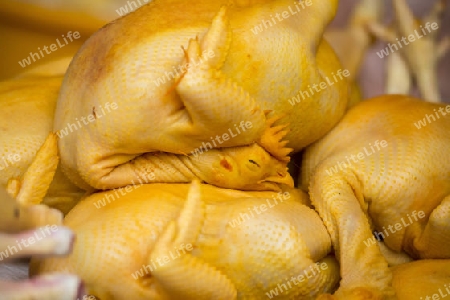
(227, 261)
(399, 187)
(422, 279)
(27, 103)
(234, 75)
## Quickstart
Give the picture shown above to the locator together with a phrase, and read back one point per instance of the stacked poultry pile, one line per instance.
(174, 134)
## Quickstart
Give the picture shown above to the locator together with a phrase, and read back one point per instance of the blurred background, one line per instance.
(372, 74)
(27, 25)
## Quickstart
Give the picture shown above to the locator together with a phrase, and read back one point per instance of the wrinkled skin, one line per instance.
(245, 168)
(228, 260)
(404, 184)
(122, 66)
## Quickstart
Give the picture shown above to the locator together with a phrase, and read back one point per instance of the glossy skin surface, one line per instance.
(233, 76)
(376, 170)
(228, 260)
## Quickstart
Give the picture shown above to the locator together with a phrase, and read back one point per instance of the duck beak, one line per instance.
(281, 177)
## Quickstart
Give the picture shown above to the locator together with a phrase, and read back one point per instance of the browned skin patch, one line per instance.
(93, 112)
(224, 163)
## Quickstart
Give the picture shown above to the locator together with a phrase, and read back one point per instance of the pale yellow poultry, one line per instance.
(132, 75)
(181, 241)
(385, 168)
